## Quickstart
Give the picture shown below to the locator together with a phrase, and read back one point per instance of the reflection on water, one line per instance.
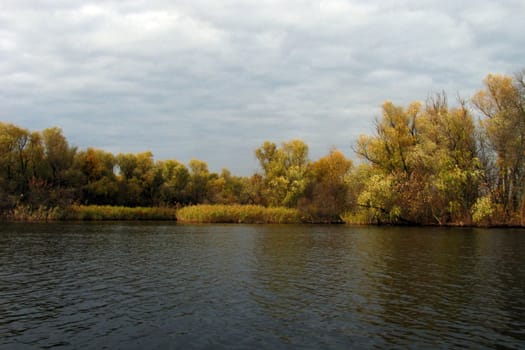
(131, 285)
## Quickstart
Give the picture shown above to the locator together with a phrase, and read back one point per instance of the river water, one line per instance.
(163, 285)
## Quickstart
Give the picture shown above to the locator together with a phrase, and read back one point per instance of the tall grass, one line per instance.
(247, 214)
(106, 212)
(28, 213)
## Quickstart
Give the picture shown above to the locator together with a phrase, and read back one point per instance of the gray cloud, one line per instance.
(213, 80)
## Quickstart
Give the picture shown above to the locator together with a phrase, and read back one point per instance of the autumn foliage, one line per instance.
(427, 163)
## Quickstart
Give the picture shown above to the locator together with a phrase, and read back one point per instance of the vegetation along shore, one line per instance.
(426, 164)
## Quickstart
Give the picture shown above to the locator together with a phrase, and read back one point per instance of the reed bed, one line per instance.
(27, 213)
(106, 212)
(217, 213)
(245, 214)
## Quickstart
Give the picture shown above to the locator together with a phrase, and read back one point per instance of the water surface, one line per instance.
(158, 285)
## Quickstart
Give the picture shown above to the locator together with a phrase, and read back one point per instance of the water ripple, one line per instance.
(163, 286)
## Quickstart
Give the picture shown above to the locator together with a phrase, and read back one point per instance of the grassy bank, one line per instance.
(247, 214)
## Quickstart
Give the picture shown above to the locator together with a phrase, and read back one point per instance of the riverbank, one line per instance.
(203, 213)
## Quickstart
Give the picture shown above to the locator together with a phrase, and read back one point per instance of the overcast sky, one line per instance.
(213, 80)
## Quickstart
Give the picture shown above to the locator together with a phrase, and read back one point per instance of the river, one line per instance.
(169, 286)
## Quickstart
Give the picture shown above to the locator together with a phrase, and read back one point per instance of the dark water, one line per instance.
(135, 286)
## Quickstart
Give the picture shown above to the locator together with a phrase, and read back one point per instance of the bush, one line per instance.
(482, 210)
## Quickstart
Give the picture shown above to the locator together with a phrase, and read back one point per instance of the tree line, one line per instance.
(427, 163)
(41, 169)
(432, 164)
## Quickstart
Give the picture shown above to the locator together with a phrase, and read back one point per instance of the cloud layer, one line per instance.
(214, 79)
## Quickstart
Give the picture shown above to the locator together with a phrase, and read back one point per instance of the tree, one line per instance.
(502, 103)
(21, 161)
(227, 189)
(326, 196)
(448, 155)
(175, 181)
(285, 171)
(13, 146)
(140, 179)
(58, 155)
(423, 164)
(199, 181)
(95, 176)
(396, 135)
(390, 152)
(254, 189)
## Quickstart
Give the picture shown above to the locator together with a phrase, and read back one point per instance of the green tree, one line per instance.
(95, 177)
(285, 171)
(140, 179)
(13, 146)
(21, 161)
(175, 181)
(199, 181)
(227, 189)
(58, 155)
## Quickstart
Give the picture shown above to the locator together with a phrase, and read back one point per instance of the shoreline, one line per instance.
(199, 214)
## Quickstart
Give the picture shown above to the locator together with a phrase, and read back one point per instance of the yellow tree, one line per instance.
(422, 164)
(392, 172)
(447, 158)
(502, 103)
(285, 171)
(326, 196)
(395, 137)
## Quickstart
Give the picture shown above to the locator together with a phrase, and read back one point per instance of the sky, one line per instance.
(213, 80)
